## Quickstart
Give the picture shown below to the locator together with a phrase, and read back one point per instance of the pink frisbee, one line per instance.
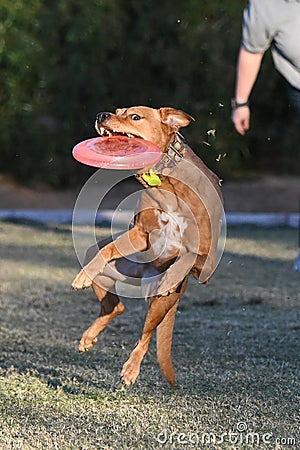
(117, 152)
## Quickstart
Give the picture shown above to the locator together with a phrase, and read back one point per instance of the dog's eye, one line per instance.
(135, 117)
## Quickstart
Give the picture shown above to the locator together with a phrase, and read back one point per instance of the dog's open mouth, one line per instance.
(107, 132)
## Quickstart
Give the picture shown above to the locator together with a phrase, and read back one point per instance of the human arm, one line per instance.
(247, 70)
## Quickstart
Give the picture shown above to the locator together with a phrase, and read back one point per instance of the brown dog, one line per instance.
(176, 231)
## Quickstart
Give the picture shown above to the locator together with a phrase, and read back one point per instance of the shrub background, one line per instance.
(62, 61)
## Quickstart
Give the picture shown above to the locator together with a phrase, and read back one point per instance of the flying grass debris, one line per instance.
(211, 132)
(221, 156)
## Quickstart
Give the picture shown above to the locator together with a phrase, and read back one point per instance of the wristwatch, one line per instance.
(235, 104)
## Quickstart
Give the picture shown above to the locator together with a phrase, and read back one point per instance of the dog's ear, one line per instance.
(175, 118)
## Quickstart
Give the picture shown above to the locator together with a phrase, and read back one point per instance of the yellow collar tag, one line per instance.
(152, 179)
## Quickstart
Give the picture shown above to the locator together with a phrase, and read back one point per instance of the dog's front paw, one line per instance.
(82, 281)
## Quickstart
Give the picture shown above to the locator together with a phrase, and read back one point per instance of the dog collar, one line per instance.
(173, 155)
(175, 149)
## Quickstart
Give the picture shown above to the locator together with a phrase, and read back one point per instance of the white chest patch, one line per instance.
(169, 234)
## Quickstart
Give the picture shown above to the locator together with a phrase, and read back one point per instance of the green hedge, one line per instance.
(62, 61)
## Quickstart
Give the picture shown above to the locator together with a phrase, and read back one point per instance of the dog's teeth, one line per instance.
(105, 132)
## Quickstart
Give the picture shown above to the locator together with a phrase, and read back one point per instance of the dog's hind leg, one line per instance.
(111, 306)
(158, 311)
(164, 334)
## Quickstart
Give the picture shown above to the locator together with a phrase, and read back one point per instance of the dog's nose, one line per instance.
(102, 116)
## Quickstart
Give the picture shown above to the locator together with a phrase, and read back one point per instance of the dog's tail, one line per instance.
(164, 344)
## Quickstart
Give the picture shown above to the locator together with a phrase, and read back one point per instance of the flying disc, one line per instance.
(117, 152)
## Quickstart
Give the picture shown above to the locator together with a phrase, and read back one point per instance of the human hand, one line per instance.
(241, 119)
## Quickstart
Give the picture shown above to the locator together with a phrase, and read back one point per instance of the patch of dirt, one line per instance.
(266, 194)
(259, 194)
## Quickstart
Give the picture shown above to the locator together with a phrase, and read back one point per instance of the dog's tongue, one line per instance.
(117, 152)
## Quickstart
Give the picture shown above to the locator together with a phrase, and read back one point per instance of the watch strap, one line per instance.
(235, 104)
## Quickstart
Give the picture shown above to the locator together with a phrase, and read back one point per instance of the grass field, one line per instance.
(235, 352)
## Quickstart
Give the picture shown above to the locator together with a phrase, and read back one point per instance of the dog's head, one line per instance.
(155, 125)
